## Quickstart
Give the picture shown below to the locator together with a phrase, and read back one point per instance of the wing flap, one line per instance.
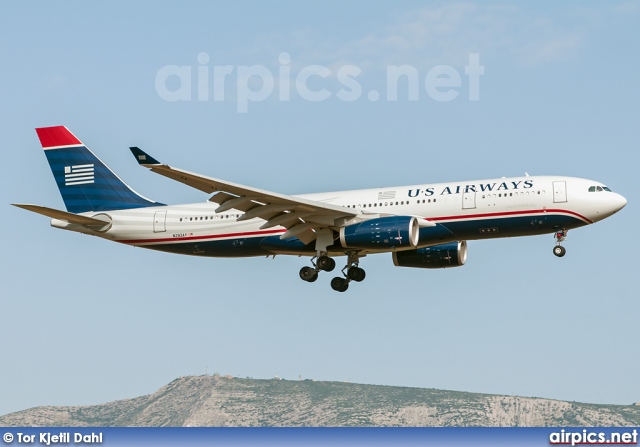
(221, 197)
(242, 203)
(286, 220)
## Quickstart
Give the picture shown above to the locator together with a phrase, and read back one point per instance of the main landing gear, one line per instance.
(322, 262)
(559, 250)
(351, 271)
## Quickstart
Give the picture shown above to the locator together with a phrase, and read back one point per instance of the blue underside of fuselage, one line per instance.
(441, 233)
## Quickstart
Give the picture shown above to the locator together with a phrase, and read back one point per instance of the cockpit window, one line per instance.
(598, 188)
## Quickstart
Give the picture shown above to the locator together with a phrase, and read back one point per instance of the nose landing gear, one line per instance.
(559, 250)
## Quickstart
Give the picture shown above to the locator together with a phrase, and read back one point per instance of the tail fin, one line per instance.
(85, 182)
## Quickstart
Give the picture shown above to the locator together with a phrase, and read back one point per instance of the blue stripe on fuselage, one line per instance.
(442, 233)
(511, 226)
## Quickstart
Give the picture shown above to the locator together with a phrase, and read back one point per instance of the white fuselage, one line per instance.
(480, 209)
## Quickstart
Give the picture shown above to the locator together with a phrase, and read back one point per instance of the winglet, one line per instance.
(143, 158)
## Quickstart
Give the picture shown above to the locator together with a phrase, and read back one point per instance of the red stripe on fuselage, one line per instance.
(199, 238)
(273, 232)
(507, 213)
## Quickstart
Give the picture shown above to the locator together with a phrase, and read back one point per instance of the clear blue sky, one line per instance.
(85, 321)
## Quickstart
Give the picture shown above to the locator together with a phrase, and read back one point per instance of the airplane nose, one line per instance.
(619, 202)
(608, 204)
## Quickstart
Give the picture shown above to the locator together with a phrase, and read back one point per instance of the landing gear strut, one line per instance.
(559, 250)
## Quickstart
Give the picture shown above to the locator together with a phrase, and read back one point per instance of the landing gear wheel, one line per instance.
(339, 284)
(308, 274)
(356, 273)
(326, 263)
(559, 251)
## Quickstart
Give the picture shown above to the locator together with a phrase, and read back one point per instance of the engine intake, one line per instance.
(451, 254)
(382, 233)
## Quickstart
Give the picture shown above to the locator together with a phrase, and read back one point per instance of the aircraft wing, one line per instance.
(300, 216)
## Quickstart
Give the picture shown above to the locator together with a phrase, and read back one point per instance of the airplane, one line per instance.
(422, 226)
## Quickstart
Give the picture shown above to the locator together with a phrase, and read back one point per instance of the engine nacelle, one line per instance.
(382, 233)
(451, 254)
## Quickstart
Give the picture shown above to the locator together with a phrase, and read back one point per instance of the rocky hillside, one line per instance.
(216, 401)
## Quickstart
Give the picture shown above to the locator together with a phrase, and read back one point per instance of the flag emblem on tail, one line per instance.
(78, 175)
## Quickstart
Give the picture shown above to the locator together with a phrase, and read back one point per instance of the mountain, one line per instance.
(219, 401)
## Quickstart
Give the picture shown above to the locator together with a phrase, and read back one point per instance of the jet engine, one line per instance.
(382, 233)
(451, 254)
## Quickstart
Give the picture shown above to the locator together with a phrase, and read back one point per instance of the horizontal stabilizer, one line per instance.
(62, 215)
